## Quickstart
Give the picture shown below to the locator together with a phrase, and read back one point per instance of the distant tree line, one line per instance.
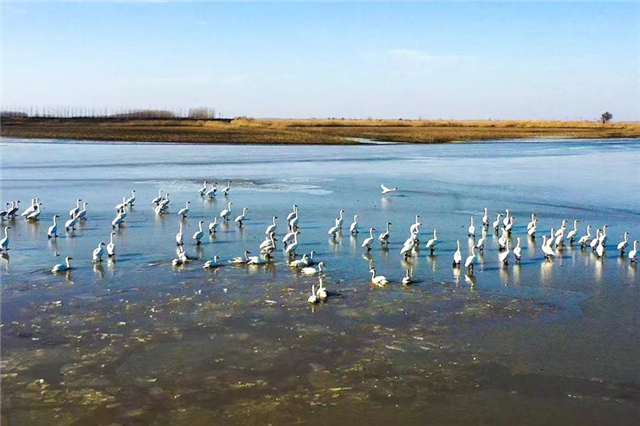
(201, 113)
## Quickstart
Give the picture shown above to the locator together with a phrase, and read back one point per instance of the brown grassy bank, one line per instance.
(323, 132)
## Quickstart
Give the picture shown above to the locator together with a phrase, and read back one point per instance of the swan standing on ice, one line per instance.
(574, 232)
(509, 226)
(291, 248)
(183, 212)
(546, 248)
(294, 213)
(82, 214)
(269, 245)
(517, 251)
(214, 263)
(213, 226)
(622, 246)
(485, 218)
(496, 223)
(33, 216)
(203, 190)
(380, 280)
(71, 223)
(34, 203)
(562, 228)
(340, 219)
(633, 254)
(225, 190)
(603, 235)
(584, 240)
(333, 231)
(353, 229)
(241, 217)
(480, 244)
(111, 247)
(532, 231)
(66, 266)
(367, 242)
(384, 238)
(386, 190)
(533, 221)
(122, 206)
(457, 255)
(158, 199)
(321, 292)
(471, 260)
(415, 227)
(199, 233)
(213, 191)
(53, 229)
(431, 244)
(131, 199)
(310, 270)
(472, 229)
(600, 249)
(594, 242)
(271, 228)
(4, 243)
(119, 220)
(180, 236)
(224, 214)
(503, 256)
(507, 217)
(73, 212)
(98, 252)
(502, 241)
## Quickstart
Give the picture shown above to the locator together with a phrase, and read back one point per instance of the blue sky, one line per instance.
(450, 60)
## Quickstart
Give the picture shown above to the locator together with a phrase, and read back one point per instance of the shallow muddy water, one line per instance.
(137, 341)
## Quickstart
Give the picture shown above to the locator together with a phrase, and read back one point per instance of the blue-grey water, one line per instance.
(137, 341)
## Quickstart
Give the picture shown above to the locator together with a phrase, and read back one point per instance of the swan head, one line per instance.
(113, 233)
(201, 222)
(101, 243)
(68, 258)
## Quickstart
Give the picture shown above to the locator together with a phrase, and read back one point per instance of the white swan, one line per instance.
(633, 254)
(241, 260)
(239, 219)
(71, 223)
(14, 209)
(255, 260)
(272, 228)
(431, 244)
(485, 218)
(353, 229)
(517, 251)
(225, 190)
(415, 227)
(480, 244)
(509, 226)
(574, 232)
(600, 249)
(380, 280)
(3, 213)
(471, 260)
(226, 213)
(313, 298)
(333, 231)
(321, 292)
(300, 262)
(594, 242)
(291, 248)
(199, 233)
(111, 247)
(340, 219)
(546, 248)
(213, 191)
(118, 221)
(496, 223)
(502, 241)
(622, 246)
(533, 221)
(384, 238)
(532, 230)
(62, 266)
(82, 214)
(122, 206)
(131, 199)
(507, 217)
(4, 243)
(310, 270)
(386, 190)
(183, 212)
(31, 208)
(203, 190)
(180, 236)
(288, 238)
(407, 250)
(159, 198)
(457, 255)
(584, 240)
(406, 280)
(33, 216)
(98, 252)
(214, 263)
(293, 214)
(164, 203)
(559, 238)
(269, 241)
(603, 235)
(503, 256)
(472, 229)
(53, 229)
(213, 226)
(562, 228)
(367, 242)
(310, 259)
(73, 212)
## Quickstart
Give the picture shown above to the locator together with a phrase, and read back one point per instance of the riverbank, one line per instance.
(304, 132)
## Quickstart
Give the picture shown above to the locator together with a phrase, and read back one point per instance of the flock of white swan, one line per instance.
(307, 264)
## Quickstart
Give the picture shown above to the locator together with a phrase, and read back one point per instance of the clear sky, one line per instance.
(450, 60)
